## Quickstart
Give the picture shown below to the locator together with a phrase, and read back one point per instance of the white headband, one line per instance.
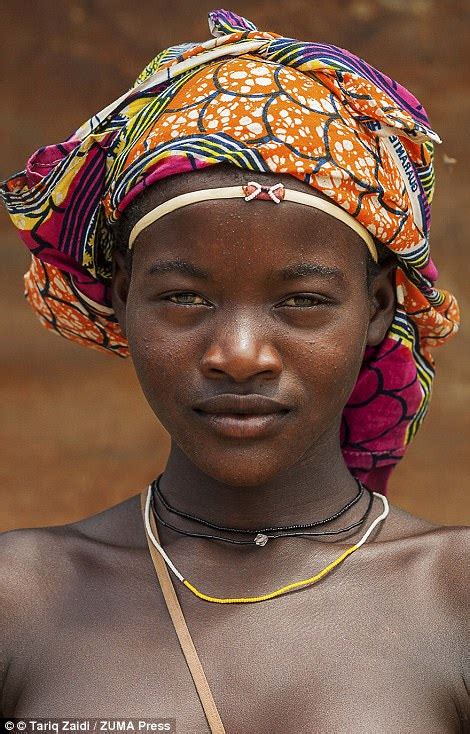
(250, 191)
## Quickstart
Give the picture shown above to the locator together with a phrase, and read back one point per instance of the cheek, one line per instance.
(159, 357)
(328, 364)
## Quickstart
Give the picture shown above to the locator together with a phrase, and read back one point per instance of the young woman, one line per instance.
(279, 308)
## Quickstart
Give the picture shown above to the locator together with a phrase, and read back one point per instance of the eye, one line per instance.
(304, 300)
(186, 298)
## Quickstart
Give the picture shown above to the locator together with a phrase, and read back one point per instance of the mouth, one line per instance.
(243, 425)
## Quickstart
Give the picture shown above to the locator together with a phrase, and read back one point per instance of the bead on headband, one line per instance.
(250, 191)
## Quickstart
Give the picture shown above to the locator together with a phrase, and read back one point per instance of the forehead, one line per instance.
(212, 176)
(221, 231)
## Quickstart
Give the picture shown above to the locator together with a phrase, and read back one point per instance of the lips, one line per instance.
(242, 416)
(241, 405)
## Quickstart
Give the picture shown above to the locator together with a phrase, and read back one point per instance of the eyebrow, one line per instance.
(302, 270)
(291, 272)
(178, 266)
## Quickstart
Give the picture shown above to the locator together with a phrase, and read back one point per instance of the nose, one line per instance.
(241, 352)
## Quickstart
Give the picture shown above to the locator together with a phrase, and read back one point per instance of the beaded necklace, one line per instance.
(278, 592)
(361, 488)
(261, 538)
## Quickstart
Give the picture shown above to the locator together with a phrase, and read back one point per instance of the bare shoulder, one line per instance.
(450, 543)
(38, 564)
(431, 562)
(32, 562)
(447, 578)
(118, 526)
(402, 524)
(23, 554)
(440, 555)
(35, 561)
(449, 549)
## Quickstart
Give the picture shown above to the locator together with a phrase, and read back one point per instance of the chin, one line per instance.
(242, 466)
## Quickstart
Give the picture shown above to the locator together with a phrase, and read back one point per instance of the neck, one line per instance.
(315, 487)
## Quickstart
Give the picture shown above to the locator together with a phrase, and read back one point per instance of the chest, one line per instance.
(330, 660)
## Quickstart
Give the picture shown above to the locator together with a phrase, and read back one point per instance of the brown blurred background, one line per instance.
(76, 433)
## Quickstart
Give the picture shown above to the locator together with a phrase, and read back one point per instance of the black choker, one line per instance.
(261, 537)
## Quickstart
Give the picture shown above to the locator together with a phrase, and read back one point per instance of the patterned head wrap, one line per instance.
(264, 103)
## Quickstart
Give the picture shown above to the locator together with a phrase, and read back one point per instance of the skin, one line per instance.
(376, 646)
(246, 341)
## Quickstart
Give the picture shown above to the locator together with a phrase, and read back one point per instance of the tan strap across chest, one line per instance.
(181, 629)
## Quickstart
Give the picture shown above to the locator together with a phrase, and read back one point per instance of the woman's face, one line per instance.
(238, 298)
